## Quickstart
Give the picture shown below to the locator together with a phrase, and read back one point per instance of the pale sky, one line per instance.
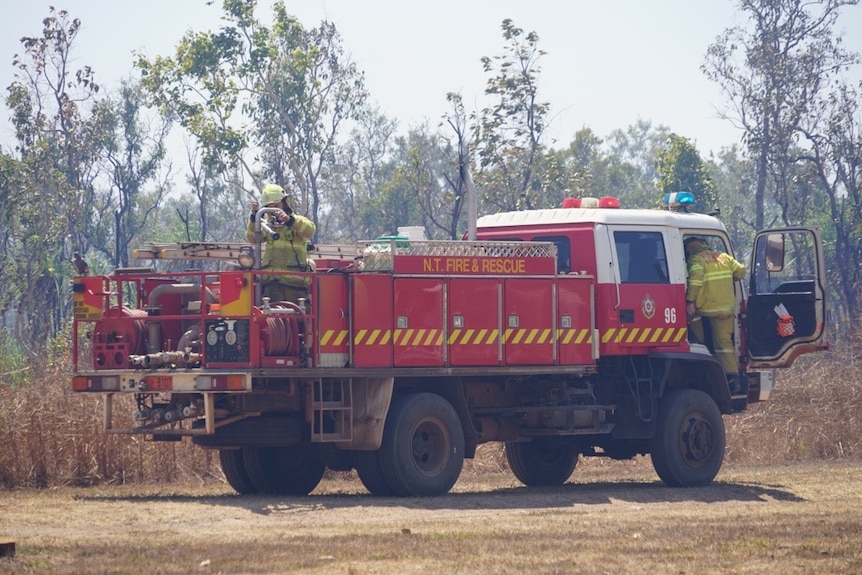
(608, 63)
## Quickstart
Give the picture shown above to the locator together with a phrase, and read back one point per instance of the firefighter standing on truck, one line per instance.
(289, 252)
(710, 295)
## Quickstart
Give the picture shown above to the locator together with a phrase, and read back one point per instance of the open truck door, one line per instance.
(786, 305)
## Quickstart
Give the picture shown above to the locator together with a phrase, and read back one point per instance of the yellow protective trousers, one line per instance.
(721, 327)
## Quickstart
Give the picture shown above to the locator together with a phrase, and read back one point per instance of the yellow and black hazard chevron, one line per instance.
(473, 336)
(434, 337)
(417, 337)
(635, 335)
(334, 337)
(574, 336)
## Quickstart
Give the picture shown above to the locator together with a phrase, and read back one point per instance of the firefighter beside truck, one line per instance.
(560, 332)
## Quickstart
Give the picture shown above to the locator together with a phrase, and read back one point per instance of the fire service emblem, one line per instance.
(648, 307)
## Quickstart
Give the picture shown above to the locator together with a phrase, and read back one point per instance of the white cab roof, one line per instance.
(610, 216)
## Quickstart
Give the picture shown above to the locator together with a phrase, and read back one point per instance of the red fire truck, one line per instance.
(561, 332)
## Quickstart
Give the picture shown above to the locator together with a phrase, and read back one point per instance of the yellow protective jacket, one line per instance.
(710, 282)
(289, 251)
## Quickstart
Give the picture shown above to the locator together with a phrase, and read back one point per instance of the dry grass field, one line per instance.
(788, 500)
(613, 517)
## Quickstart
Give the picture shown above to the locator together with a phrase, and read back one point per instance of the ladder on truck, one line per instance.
(332, 410)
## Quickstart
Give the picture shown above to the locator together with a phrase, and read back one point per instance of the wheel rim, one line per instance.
(431, 447)
(697, 440)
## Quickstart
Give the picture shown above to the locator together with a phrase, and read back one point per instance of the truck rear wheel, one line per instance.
(282, 470)
(370, 472)
(423, 445)
(542, 461)
(688, 447)
(233, 467)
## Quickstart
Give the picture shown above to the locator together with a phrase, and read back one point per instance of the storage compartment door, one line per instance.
(575, 320)
(371, 320)
(474, 321)
(418, 335)
(331, 308)
(528, 321)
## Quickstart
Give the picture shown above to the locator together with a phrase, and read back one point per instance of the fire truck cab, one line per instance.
(560, 332)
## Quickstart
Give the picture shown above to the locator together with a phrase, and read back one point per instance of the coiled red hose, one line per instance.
(123, 324)
(283, 334)
(120, 333)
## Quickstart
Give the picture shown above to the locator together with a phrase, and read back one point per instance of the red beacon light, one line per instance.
(603, 202)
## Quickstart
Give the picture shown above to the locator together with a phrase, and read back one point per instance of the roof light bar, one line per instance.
(603, 202)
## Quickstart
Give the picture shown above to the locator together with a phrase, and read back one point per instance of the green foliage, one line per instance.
(579, 170)
(15, 365)
(79, 177)
(631, 171)
(773, 71)
(198, 88)
(295, 85)
(134, 151)
(355, 177)
(835, 158)
(622, 165)
(509, 144)
(51, 203)
(680, 168)
(734, 178)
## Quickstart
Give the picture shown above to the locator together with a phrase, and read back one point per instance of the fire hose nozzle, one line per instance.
(265, 227)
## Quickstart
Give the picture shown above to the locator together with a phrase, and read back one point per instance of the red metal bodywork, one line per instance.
(420, 311)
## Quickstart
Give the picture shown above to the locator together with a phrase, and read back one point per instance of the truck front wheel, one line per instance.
(688, 447)
(542, 461)
(370, 472)
(423, 445)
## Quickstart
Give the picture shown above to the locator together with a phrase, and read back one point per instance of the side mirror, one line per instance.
(774, 252)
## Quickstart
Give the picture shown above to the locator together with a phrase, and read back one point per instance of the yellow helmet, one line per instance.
(694, 245)
(272, 193)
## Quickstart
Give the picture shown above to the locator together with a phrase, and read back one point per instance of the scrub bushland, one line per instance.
(50, 436)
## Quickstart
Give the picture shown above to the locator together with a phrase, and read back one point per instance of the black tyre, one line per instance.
(542, 461)
(233, 467)
(688, 447)
(370, 472)
(423, 445)
(282, 470)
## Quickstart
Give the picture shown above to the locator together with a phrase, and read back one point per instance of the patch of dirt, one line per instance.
(612, 517)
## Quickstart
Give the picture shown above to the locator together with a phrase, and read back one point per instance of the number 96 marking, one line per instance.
(670, 315)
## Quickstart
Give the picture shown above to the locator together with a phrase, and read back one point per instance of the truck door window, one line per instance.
(564, 258)
(642, 257)
(785, 264)
(715, 243)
